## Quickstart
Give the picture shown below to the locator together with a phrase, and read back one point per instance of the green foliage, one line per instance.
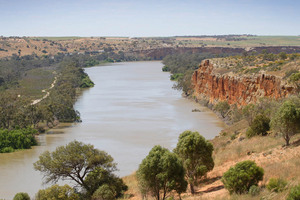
(294, 193)
(176, 77)
(286, 120)
(104, 192)
(91, 62)
(81, 163)
(250, 133)
(259, 126)
(86, 82)
(242, 176)
(100, 177)
(282, 55)
(276, 184)
(222, 107)
(58, 193)
(254, 190)
(196, 154)
(294, 77)
(17, 139)
(269, 56)
(161, 172)
(21, 196)
(166, 69)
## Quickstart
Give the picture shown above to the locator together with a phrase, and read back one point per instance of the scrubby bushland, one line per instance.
(242, 176)
(58, 193)
(160, 173)
(294, 193)
(196, 155)
(276, 184)
(86, 166)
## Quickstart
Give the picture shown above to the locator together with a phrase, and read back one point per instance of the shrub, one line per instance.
(104, 192)
(260, 125)
(276, 184)
(254, 190)
(294, 193)
(21, 196)
(250, 133)
(242, 176)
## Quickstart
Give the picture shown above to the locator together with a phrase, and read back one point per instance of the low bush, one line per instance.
(242, 176)
(294, 193)
(254, 190)
(250, 133)
(276, 184)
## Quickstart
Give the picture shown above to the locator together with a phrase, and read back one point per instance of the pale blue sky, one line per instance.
(135, 18)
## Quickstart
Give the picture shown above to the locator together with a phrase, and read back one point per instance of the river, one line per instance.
(131, 108)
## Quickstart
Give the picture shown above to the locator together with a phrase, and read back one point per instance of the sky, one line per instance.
(147, 18)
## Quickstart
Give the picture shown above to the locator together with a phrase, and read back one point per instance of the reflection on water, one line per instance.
(131, 108)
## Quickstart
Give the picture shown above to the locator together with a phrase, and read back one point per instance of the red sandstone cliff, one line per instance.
(239, 90)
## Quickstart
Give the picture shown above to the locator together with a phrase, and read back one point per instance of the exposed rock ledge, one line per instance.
(239, 90)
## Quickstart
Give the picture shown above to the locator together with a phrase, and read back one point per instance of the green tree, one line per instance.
(76, 161)
(259, 126)
(21, 196)
(196, 154)
(286, 120)
(104, 192)
(222, 107)
(242, 176)
(161, 172)
(58, 193)
(99, 177)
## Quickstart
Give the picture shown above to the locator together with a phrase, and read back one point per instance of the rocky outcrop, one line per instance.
(239, 90)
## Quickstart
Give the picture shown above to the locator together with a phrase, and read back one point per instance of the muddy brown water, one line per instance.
(131, 108)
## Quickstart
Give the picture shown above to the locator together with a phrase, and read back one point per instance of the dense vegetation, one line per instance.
(18, 113)
(11, 140)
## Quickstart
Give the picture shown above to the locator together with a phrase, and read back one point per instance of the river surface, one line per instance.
(131, 108)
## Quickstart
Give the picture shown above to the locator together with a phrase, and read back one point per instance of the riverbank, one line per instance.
(132, 107)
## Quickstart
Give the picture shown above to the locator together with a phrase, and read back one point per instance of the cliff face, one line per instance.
(239, 90)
